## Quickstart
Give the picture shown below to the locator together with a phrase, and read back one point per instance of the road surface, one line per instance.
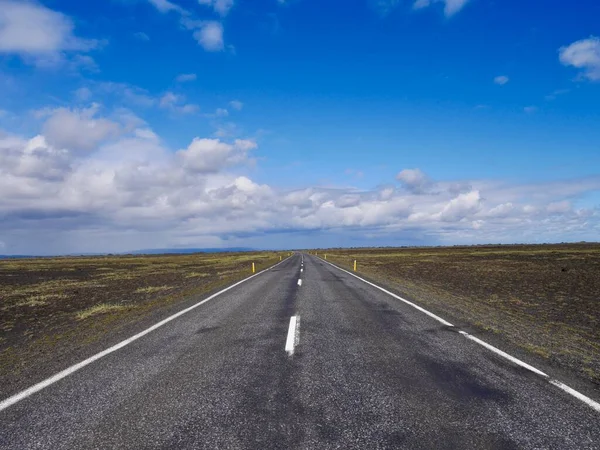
(357, 369)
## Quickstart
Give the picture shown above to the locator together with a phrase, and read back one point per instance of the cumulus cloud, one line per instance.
(461, 206)
(585, 55)
(451, 7)
(213, 155)
(109, 183)
(210, 36)
(414, 180)
(38, 33)
(78, 130)
(501, 80)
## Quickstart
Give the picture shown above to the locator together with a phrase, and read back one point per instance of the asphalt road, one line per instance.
(367, 371)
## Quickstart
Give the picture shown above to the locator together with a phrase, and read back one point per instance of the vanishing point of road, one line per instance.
(301, 356)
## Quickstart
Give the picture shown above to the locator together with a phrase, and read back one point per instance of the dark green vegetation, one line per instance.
(51, 308)
(544, 299)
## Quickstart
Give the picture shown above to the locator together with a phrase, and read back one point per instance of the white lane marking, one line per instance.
(576, 394)
(293, 336)
(299, 282)
(301, 269)
(65, 373)
(595, 405)
(439, 319)
(503, 354)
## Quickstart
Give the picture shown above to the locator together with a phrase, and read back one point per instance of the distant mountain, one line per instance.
(160, 251)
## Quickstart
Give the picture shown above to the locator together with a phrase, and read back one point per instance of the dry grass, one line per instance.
(40, 300)
(542, 298)
(196, 275)
(152, 289)
(44, 302)
(98, 309)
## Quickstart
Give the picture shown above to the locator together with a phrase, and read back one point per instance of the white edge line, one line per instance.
(574, 393)
(292, 340)
(504, 354)
(65, 373)
(423, 310)
(595, 405)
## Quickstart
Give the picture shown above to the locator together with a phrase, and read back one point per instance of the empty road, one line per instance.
(354, 368)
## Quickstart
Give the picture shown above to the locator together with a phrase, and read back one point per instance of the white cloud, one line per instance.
(185, 77)
(109, 184)
(585, 55)
(128, 93)
(169, 99)
(461, 206)
(414, 180)
(165, 6)
(559, 207)
(219, 113)
(236, 104)
(221, 7)
(78, 130)
(451, 7)
(420, 4)
(141, 36)
(84, 62)
(175, 102)
(188, 108)
(530, 109)
(83, 94)
(225, 130)
(501, 80)
(213, 155)
(210, 36)
(384, 7)
(34, 31)
(556, 93)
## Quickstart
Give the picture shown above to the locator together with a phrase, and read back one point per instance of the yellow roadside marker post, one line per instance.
(325, 255)
(355, 265)
(279, 257)
(253, 268)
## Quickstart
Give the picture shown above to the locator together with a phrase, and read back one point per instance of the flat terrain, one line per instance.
(54, 310)
(544, 299)
(368, 372)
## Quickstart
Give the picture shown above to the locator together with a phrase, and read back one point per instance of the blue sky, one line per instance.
(131, 124)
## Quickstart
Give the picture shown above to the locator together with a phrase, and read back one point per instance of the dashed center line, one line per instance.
(293, 336)
(299, 282)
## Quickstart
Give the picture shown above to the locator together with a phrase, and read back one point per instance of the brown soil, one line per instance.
(53, 308)
(544, 299)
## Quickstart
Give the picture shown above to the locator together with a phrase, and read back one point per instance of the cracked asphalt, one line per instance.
(368, 372)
